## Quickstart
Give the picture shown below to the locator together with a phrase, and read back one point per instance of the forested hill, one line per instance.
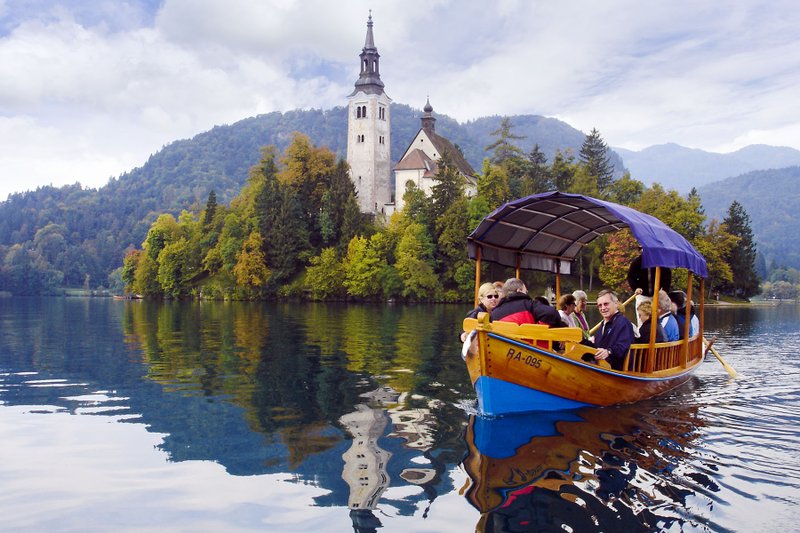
(73, 236)
(770, 198)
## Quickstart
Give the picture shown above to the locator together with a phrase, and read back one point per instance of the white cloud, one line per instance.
(96, 87)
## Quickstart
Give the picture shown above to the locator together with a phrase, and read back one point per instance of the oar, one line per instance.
(623, 304)
(728, 368)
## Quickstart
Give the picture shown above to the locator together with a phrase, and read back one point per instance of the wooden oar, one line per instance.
(623, 304)
(728, 368)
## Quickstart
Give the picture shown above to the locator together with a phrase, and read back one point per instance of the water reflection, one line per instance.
(576, 470)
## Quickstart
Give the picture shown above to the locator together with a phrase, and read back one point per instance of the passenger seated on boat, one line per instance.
(642, 280)
(580, 304)
(516, 306)
(645, 311)
(679, 310)
(488, 296)
(667, 319)
(566, 308)
(615, 336)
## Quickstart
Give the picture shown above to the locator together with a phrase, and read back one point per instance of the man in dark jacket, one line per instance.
(516, 306)
(615, 336)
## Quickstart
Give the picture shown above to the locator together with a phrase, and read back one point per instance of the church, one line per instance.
(380, 187)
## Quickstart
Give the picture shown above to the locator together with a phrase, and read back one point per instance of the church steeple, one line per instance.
(369, 80)
(428, 120)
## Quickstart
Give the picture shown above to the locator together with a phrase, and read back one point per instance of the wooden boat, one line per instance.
(530, 367)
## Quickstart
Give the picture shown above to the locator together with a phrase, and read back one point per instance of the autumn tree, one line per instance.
(324, 275)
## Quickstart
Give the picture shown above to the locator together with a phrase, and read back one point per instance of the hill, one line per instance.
(681, 168)
(83, 233)
(770, 198)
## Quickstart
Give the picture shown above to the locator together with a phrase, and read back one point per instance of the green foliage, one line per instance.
(619, 252)
(362, 267)
(324, 275)
(742, 259)
(415, 263)
(503, 147)
(594, 155)
(493, 185)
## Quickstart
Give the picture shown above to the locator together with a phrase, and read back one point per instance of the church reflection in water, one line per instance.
(366, 464)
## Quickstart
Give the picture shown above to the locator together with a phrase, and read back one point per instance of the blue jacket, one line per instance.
(670, 325)
(616, 336)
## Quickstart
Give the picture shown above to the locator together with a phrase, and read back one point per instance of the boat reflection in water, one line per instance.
(366, 464)
(614, 468)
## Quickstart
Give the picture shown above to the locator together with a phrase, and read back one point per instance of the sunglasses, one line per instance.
(492, 296)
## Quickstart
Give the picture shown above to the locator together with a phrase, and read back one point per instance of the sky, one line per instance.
(89, 89)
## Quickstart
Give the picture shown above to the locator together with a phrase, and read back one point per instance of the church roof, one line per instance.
(444, 146)
(418, 160)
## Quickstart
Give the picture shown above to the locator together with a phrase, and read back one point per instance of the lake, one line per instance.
(214, 416)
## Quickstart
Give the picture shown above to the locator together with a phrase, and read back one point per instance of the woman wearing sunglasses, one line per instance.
(488, 297)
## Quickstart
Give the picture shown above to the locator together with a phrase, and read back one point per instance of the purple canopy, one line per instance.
(546, 231)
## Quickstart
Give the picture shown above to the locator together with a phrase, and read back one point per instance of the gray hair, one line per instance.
(513, 285)
(580, 296)
(610, 293)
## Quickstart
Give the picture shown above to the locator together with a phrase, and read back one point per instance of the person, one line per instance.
(666, 318)
(615, 336)
(516, 306)
(645, 311)
(580, 306)
(642, 280)
(488, 296)
(679, 310)
(566, 308)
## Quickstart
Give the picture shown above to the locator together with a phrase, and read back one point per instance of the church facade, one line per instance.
(369, 133)
(380, 190)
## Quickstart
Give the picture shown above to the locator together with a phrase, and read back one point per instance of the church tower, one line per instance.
(368, 127)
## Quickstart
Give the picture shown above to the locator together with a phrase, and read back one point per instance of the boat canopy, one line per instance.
(547, 231)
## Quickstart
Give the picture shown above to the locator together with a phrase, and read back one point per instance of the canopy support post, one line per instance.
(558, 280)
(655, 318)
(687, 323)
(477, 273)
(702, 309)
(516, 272)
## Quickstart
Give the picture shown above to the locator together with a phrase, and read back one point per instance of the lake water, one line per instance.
(143, 416)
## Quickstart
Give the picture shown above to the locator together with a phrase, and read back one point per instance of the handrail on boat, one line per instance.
(665, 355)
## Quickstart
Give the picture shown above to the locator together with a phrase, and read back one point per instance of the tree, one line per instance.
(621, 248)
(324, 275)
(742, 259)
(362, 268)
(451, 253)
(503, 148)
(594, 156)
(537, 177)
(415, 263)
(493, 184)
(562, 171)
(251, 269)
(449, 187)
(173, 268)
(715, 246)
(211, 209)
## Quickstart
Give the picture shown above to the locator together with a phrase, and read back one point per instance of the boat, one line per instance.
(531, 367)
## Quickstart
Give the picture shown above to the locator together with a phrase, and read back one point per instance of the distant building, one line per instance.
(368, 133)
(369, 144)
(419, 163)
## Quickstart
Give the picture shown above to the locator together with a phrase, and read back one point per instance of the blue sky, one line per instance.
(90, 89)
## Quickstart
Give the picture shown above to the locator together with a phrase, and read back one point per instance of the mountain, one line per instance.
(770, 198)
(681, 168)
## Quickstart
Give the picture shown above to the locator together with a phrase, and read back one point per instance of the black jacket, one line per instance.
(645, 278)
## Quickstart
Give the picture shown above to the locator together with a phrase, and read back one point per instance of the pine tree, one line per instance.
(537, 178)
(503, 148)
(594, 155)
(742, 259)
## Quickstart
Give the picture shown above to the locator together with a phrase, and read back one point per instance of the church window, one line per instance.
(382, 113)
(363, 111)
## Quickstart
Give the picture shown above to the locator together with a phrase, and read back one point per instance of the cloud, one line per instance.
(95, 87)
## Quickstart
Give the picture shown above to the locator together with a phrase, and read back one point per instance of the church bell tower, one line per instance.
(368, 131)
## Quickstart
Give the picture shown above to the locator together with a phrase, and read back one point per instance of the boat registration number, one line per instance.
(530, 360)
